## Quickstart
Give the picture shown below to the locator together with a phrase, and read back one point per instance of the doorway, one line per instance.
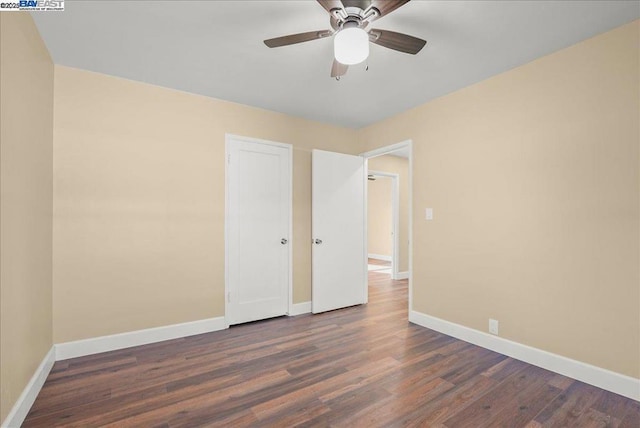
(383, 221)
(389, 170)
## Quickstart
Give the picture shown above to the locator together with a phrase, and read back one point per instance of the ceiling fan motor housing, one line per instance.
(354, 12)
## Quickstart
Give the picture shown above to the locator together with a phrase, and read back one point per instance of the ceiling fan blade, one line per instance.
(338, 69)
(396, 41)
(329, 5)
(297, 38)
(385, 7)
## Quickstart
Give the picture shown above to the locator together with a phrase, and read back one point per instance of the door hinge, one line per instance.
(229, 158)
(229, 297)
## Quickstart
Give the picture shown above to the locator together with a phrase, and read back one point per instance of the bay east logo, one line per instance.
(41, 4)
(32, 5)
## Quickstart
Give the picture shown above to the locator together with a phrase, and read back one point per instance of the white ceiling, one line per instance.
(215, 48)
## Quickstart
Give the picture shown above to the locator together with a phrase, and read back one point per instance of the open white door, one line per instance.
(339, 275)
(258, 225)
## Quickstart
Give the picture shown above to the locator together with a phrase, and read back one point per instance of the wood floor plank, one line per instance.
(610, 404)
(525, 405)
(500, 398)
(348, 378)
(567, 408)
(392, 410)
(631, 420)
(451, 403)
(360, 366)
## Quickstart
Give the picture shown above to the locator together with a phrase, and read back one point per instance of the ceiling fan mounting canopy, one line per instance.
(355, 16)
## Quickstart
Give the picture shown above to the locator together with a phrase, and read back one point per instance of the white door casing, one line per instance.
(339, 272)
(258, 229)
(404, 146)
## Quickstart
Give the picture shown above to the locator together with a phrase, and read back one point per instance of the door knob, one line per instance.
(318, 241)
(283, 241)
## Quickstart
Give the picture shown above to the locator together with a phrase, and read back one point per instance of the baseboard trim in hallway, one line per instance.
(611, 381)
(95, 345)
(402, 275)
(382, 257)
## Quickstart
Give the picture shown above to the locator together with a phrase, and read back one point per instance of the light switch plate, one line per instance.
(429, 213)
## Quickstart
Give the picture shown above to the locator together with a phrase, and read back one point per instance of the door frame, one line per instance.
(395, 218)
(229, 138)
(383, 151)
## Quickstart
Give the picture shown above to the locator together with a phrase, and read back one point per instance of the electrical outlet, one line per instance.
(493, 326)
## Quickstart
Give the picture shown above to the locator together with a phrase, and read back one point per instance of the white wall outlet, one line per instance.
(493, 326)
(429, 213)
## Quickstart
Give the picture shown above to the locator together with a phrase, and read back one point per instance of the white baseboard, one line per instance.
(380, 257)
(300, 308)
(402, 275)
(20, 409)
(602, 378)
(80, 348)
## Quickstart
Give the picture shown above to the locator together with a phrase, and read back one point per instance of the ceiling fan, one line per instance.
(349, 21)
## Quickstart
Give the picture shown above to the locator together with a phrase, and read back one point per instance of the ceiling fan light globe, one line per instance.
(351, 46)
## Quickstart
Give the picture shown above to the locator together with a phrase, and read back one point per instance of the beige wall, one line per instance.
(26, 136)
(534, 180)
(380, 216)
(400, 166)
(139, 201)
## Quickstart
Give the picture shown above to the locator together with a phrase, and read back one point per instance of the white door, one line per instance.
(258, 228)
(339, 276)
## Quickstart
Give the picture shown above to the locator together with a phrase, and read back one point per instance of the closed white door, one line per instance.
(258, 227)
(339, 275)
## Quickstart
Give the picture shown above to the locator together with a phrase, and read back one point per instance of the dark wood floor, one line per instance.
(363, 366)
